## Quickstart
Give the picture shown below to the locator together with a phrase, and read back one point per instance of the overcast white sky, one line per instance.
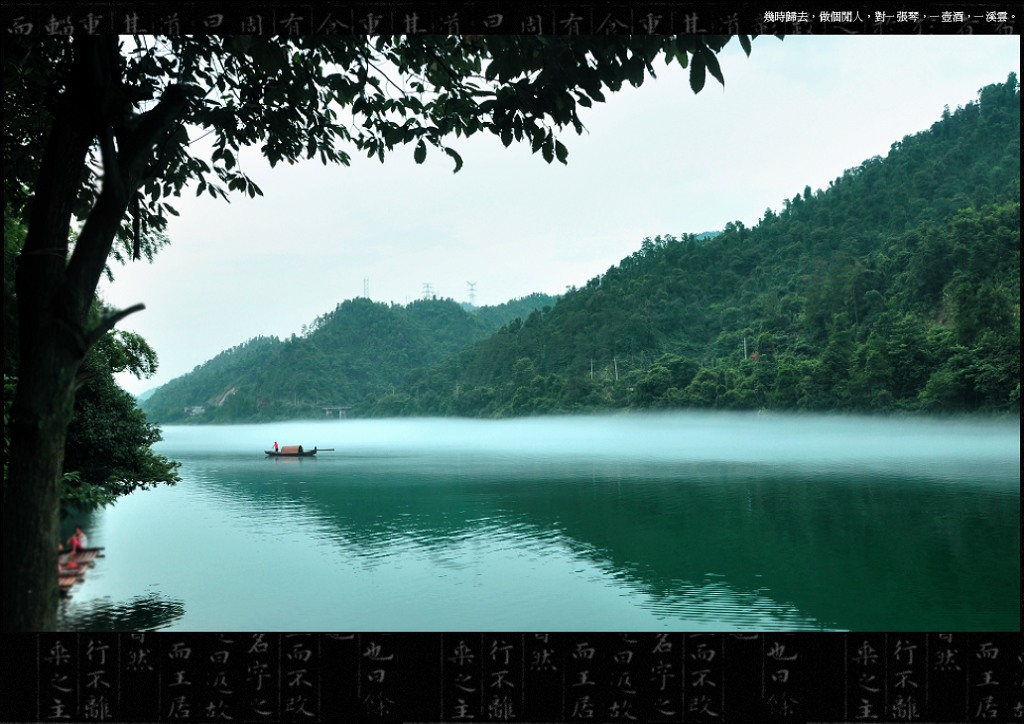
(654, 160)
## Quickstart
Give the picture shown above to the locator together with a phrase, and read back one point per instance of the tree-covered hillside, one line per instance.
(360, 348)
(897, 288)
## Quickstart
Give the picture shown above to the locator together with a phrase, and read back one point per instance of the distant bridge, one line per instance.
(340, 410)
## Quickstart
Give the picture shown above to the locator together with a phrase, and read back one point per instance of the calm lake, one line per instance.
(685, 522)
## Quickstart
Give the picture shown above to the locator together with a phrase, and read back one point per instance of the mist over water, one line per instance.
(687, 521)
(904, 446)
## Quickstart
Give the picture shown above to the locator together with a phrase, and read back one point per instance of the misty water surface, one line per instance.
(635, 522)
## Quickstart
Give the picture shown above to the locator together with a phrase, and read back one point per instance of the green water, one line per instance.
(682, 522)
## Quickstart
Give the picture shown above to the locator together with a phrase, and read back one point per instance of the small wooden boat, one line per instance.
(291, 451)
(294, 451)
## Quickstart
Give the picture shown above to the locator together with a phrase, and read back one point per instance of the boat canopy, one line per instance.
(291, 449)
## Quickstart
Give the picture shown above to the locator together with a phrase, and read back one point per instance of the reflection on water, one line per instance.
(686, 522)
(150, 612)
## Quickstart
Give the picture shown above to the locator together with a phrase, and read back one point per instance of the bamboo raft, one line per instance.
(71, 567)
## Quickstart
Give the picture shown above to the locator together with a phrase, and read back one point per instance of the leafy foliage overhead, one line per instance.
(324, 97)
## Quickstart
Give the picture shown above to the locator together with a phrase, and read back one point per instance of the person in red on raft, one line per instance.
(77, 541)
(275, 447)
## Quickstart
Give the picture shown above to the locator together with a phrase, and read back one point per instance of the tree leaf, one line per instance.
(458, 159)
(561, 152)
(635, 71)
(712, 63)
(421, 152)
(697, 74)
(492, 70)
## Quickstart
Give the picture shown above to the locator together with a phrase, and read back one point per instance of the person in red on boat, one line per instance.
(77, 541)
(275, 447)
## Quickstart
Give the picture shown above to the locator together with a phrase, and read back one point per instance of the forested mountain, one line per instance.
(897, 288)
(360, 348)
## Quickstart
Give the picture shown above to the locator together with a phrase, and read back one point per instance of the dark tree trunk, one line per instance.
(48, 363)
(54, 297)
(40, 416)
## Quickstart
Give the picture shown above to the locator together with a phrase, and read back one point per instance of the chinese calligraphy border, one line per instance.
(550, 677)
(540, 18)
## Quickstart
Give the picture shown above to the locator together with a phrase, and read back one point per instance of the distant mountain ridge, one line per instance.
(897, 288)
(359, 348)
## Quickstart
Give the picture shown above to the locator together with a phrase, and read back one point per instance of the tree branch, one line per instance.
(110, 321)
(150, 125)
(97, 237)
(111, 170)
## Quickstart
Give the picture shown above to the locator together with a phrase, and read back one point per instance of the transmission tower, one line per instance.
(472, 293)
(366, 287)
(428, 290)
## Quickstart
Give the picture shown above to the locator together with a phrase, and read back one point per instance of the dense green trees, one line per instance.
(108, 451)
(356, 354)
(898, 288)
